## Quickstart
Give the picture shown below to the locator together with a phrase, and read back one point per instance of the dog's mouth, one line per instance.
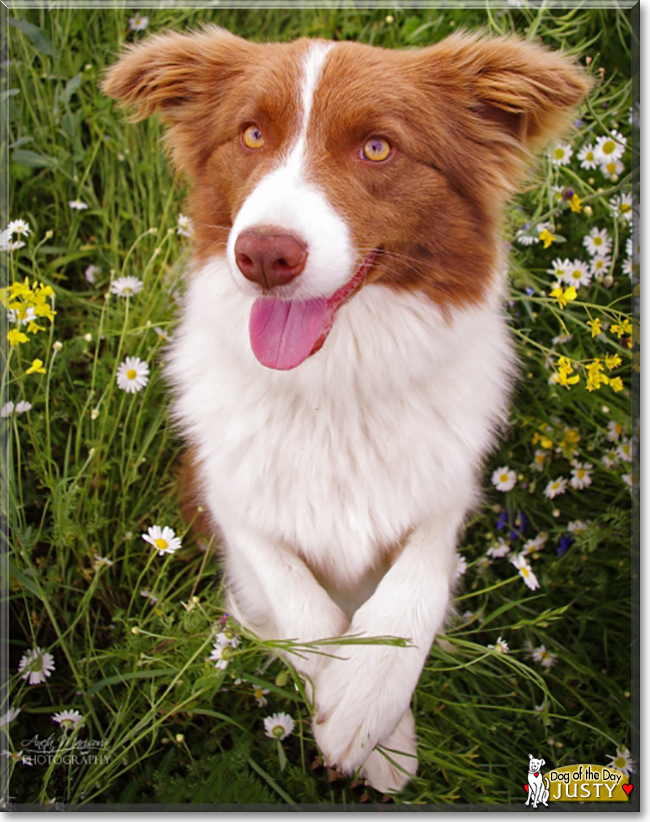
(284, 333)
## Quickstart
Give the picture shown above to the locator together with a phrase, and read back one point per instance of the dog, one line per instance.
(342, 363)
(538, 788)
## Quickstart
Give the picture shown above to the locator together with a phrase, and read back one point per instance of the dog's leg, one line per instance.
(296, 606)
(401, 748)
(361, 697)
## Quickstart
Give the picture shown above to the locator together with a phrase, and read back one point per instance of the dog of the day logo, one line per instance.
(575, 783)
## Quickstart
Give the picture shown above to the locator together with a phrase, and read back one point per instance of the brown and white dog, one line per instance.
(342, 360)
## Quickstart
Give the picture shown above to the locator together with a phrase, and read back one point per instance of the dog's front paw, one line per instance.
(360, 700)
(390, 766)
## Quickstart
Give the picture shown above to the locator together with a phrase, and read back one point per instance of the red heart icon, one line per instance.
(628, 789)
(527, 788)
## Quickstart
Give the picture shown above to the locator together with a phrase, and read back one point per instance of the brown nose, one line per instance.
(269, 259)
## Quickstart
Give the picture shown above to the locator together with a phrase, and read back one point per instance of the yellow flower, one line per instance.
(595, 377)
(612, 361)
(575, 203)
(596, 327)
(564, 297)
(564, 369)
(624, 328)
(15, 337)
(36, 367)
(543, 440)
(546, 237)
(616, 383)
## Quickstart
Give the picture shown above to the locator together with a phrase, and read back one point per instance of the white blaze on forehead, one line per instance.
(285, 200)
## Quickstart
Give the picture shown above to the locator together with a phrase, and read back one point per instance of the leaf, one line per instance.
(36, 35)
(70, 87)
(121, 678)
(25, 581)
(31, 159)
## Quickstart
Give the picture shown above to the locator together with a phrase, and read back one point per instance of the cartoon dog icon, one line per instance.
(537, 790)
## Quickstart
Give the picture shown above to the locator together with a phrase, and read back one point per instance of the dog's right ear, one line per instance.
(170, 73)
(530, 756)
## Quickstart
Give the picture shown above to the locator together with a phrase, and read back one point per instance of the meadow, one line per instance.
(124, 680)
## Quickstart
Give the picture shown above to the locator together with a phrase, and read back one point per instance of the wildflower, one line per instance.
(68, 720)
(609, 459)
(587, 157)
(185, 227)
(616, 384)
(259, 693)
(565, 543)
(23, 406)
(613, 169)
(564, 297)
(148, 595)
(278, 726)
(91, 273)
(126, 286)
(564, 369)
(622, 761)
(627, 479)
(578, 526)
(595, 377)
(163, 539)
(500, 646)
(9, 717)
(624, 451)
(559, 268)
(597, 241)
(543, 440)
(501, 549)
(577, 273)
(36, 367)
(20, 227)
(138, 23)
(538, 462)
(622, 206)
(102, 561)
(544, 657)
(546, 237)
(220, 655)
(581, 476)
(610, 147)
(36, 664)
(600, 264)
(623, 328)
(460, 566)
(561, 154)
(16, 337)
(504, 479)
(575, 203)
(525, 571)
(596, 327)
(162, 334)
(533, 545)
(78, 205)
(612, 361)
(17, 757)
(555, 488)
(132, 375)
(7, 409)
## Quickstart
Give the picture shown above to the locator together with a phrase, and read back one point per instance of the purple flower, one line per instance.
(565, 543)
(502, 521)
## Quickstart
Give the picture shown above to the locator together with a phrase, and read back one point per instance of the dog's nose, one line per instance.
(270, 259)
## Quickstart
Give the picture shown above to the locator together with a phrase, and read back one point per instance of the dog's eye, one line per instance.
(376, 149)
(253, 137)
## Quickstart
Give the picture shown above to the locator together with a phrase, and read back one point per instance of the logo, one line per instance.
(537, 787)
(575, 783)
(75, 752)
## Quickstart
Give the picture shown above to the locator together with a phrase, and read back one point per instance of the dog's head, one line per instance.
(535, 765)
(319, 167)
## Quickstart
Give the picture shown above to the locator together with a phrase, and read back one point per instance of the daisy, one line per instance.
(610, 147)
(68, 720)
(103, 561)
(561, 339)
(577, 527)
(578, 274)
(614, 430)
(16, 757)
(555, 488)
(132, 375)
(19, 227)
(148, 595)
(500, 646)
(587, 157)
(226, 638)
(622, 761)
(560, 268)
(126, 286)
(79, 205)
(561, 154)
(7, 409)
(138, 23)
(11, 714)
(162, 334)
(259, 696)
(544, 657)
(624, 451)
(220, 655)
(36, 664)
(597, 241)
(501, 549)
(538, 462)
(164, 540)
(613, 169)
(504, 479)
(532, 545)
(581, 476)
(600, 265)
(185, 227)
(609, 459)
(622, 206)
(525, 571)
(91, 273)
(278, 726)
(23, 406)
(460, 566)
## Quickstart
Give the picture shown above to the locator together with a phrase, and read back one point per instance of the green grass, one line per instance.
(89, 468)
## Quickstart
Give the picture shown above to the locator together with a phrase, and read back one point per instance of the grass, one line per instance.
(89, 468)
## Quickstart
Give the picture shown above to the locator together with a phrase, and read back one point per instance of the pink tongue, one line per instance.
(284, 332)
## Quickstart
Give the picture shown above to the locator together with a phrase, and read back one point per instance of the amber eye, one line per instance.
(376, 149)
(252, 137)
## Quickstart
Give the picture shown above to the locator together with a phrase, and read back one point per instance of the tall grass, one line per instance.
(89, 468)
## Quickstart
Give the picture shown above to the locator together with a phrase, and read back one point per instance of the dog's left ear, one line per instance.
(542, 762)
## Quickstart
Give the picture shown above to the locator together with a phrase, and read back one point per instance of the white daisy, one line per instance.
(578, 274)
(23, 406)
(561, 154)
(162, 334)
(460, 566)
(559, 268)
(126, 286)
(164, 540)
(539, 460)
(600, 265)
(36, 664)
(544, 657)
(501, 549)
(19, 227)
(500, 646)
(610, 147)
(609, 459)
(622, 206)
(91, 273)
(581, 476)
(278, 726)
(532, 545)
(148, 595)
(68, 720)
(7, 409)
(9, 717)
(103, 561)
(138, 23)
(226, 638)
(184, 227)
(612, 169)
(587, 157)
(78, 205)
(555, 488)
(561, 339)
(16, 757)
(259, 694)
(622, 761)
(597, 241)
(578, 526)
(132, 375)
(525, 571)
(220, 655)
(504, 479)
(624, 451)
(614, 430)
